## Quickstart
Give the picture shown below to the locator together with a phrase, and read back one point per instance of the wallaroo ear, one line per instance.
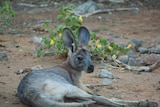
(68, 39)
(84, 35)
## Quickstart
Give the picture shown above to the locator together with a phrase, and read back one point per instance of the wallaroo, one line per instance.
(61, 85)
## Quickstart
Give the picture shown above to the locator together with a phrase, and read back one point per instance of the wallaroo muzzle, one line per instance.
(90, 69)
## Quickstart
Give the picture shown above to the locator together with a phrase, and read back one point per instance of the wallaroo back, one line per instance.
(61, 85)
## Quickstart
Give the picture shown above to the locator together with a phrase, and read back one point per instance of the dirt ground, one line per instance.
(20, 48)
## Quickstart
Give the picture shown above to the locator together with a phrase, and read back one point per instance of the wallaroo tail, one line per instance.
(61, 86)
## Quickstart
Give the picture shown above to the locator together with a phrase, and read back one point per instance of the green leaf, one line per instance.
(71, 6)
(59, 18)
(60, 28)
(93, 35)
(39, 52)
(67, 21)
(103, 42)
(45, 24)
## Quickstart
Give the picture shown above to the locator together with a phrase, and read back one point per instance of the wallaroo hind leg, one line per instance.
(78, 95)
(64, 96)
(105, 101)
(47, 102)
(84, 97)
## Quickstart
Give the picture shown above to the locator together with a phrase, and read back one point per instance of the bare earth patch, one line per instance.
(130, 85)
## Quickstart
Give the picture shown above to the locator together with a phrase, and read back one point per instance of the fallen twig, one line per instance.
(138, 68)
(95, 85)
(104, 11)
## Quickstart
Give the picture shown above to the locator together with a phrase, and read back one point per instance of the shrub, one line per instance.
(6, 13)
(98, 47)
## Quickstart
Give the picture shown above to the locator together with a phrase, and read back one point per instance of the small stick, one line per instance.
(104, 11)
(138, 68)
(96, 85)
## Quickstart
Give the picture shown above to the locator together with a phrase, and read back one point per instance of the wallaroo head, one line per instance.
(79, 56)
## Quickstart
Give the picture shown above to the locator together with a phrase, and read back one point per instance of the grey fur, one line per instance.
(60, 85)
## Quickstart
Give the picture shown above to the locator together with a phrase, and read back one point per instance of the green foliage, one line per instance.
(101, 48)
(98, 47)
(6, 13)
(69, 20)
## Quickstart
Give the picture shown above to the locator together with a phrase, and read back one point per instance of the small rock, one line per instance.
(142, 50)
(136, 43)
(105, 74)
(116, 36)
(132, 54)
(106, 81)
(20, 71)
(99, 18)
(37, 67)
(3, 56)
(135, 61)
(123, 58)
(151, 59)
(155, 49)
(131, 62)
(86, 7)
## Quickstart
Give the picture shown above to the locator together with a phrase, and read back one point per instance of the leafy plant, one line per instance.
(6, 13)
(103, 49)
(55, 39)
(98, 47)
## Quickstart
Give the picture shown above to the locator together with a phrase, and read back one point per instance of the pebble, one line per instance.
(135, 61)
(20, 71)
(3, 57)
(143, 50)
(155, 49)
(151, 59)
(106, 81)
(123, 58)
(138, 43)
(104, 73)
(86, 7)
(135, 44)
(116, 36)
(132, 54)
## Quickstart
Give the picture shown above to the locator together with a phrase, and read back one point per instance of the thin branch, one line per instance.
(104, 11)
(96, 85)
(138, 68)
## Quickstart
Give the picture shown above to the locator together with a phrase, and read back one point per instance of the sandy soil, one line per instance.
(142, 25)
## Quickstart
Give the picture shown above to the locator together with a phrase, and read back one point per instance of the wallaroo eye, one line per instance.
(79, 57)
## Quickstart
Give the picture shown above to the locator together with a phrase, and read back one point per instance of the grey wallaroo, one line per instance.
(61, 85)
(51, 87)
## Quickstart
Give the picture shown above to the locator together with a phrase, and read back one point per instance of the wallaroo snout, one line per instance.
(61, 85)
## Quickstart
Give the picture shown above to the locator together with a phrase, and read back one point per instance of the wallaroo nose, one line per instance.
(90, 69)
